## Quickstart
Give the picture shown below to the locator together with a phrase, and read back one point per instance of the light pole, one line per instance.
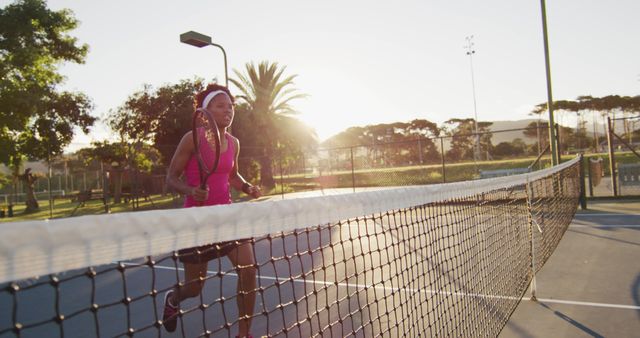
(553, 144)
(201, 40)
(470, 52)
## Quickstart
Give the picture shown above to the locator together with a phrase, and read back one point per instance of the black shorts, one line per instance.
(205, 253)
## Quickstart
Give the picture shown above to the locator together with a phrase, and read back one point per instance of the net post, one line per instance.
(532, 254)
(353, 174)
(583, 193)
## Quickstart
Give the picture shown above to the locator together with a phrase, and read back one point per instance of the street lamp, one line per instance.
(201, 40)
(553, 144)
(470, 52)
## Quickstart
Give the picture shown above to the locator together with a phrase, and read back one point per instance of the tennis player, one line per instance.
(218, 101)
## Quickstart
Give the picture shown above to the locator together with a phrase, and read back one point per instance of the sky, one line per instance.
(364, 62)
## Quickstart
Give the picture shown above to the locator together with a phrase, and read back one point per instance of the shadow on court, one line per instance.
(590, 287)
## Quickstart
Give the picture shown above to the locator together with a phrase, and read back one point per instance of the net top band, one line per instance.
(34, 248)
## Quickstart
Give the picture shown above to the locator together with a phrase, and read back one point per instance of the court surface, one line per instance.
(590, 287)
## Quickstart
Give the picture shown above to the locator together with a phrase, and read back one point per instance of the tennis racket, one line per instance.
(203, 122)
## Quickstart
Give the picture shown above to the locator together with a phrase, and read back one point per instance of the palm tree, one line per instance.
(268, 94)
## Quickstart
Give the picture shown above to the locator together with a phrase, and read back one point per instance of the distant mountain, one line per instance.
(37, 167)
(508, 136)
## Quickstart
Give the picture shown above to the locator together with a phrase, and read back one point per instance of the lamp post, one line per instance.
(200, 40)
(470, 52)
(553, 144)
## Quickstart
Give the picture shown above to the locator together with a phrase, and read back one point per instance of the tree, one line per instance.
(426, 131)
(267, 94)
(606, 106)
(119, 158)
(538, 130)
(413, 141)
(4, 180)
(160, 116)
(36, 119)
(462, 132)
(30, 179)
(510, 149)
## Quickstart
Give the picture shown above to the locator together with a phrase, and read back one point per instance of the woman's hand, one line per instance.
(251, 190)
(199, 194)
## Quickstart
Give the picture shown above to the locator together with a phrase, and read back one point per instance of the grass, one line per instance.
(399, 176)
(65, 208)
(409, 175)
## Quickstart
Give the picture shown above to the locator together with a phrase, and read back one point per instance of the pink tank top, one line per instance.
(218, 182)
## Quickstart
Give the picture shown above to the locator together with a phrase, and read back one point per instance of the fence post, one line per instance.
(558, 150)
(612, 161)
(49, 189)
(281, 176)
(590, 176)
(105, 191)
(304, 166)
(444, 172)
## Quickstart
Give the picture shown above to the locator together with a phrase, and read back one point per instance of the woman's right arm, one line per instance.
(176, 168)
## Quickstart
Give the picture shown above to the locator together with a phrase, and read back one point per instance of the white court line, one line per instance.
(598, 226)
(395, 289)
(607, 214)
(570, 302)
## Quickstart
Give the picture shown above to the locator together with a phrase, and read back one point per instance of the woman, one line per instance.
(218, 101)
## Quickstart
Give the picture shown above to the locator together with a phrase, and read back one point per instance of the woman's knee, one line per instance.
(247, 275)
(191, 288)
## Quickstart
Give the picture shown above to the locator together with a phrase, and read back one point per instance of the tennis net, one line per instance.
(441, 260)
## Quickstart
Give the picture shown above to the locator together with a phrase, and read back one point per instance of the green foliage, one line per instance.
(105, 152)
(250, 170)
(265, 122)
(145, 157)
(589, 103)
(463, 139)
(516, 148)
(5, 181)
(570, 139)
(384, 133)
(141, 156)
(401, 138)
(36, 119)
(160, 116)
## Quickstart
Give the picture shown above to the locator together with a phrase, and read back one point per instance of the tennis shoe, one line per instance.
(170, 313)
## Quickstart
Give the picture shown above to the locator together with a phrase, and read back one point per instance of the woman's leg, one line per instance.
(194, 277)
(192, 287)
(243, 260)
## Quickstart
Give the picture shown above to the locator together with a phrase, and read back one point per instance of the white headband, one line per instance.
(210, 97)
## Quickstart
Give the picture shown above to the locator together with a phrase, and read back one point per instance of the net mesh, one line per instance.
(455, 264)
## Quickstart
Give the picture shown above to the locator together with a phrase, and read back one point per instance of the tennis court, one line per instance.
(591, 285)
(450, 265)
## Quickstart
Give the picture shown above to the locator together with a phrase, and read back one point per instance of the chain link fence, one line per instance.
(385, 163)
